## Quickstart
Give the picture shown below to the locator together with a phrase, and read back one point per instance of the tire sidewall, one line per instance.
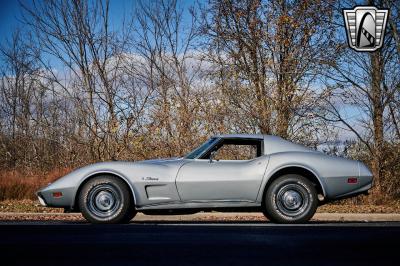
(121, 213)
(271, 206)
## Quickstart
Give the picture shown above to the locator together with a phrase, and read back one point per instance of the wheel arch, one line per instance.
(102, 173)
(299, 170)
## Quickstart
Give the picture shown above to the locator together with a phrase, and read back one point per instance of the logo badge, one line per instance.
(365, 26)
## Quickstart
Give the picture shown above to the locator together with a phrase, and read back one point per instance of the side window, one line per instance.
(236, 152)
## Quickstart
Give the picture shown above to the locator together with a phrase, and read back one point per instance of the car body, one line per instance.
(198, 181)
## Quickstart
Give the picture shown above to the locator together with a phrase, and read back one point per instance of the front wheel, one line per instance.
(106, 199)
(290, 199)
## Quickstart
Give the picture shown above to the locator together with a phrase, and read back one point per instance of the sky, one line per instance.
(10, 14)
(8, 17)
(11, 18)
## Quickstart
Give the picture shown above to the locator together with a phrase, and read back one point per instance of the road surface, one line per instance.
(78, 243)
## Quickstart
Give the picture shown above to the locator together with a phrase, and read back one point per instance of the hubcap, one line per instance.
(292, 199)
(104, 200)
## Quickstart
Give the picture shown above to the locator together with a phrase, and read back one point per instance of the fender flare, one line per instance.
(267, 178)
(102, 172)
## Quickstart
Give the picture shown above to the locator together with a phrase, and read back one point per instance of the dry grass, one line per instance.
(19, 185)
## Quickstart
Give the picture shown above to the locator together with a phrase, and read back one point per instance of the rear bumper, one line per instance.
(41, 199)
(361, 191)
(340, 187)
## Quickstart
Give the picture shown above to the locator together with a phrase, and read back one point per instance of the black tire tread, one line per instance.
(274, 215)
(127, 211)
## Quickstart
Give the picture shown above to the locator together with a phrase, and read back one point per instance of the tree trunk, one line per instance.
(377, 119)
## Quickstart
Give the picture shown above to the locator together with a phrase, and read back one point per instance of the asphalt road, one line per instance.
(58, 243)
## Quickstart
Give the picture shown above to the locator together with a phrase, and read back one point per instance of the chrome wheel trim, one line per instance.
(104, 200)
(292, 200)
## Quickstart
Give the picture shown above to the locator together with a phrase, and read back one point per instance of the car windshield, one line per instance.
(203, 147)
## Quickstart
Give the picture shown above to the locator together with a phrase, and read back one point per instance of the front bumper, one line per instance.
(64, 199)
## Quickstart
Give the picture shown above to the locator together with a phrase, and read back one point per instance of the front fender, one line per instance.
(139, 176)
(69, 184)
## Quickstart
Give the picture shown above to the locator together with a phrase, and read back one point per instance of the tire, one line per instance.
(290, 199)
(107, 200)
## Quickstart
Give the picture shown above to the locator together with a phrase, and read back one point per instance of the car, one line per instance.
(237, 172)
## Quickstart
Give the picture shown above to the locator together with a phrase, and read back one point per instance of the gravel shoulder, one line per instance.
(33, 206)
(206, 217)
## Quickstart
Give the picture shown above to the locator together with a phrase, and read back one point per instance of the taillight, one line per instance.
(57, 194)
(352, 180)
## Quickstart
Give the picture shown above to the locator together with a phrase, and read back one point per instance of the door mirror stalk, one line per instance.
(212, 155)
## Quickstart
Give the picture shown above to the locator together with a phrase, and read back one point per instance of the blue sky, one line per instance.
(11, 17)
(8, 17)
(10, 14)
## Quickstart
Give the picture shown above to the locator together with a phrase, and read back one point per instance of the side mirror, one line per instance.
(212, 155)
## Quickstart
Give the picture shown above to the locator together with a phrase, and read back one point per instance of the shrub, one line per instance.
(23, 185)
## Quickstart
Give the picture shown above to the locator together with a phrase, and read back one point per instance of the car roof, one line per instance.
(272, 144)
(240, 136)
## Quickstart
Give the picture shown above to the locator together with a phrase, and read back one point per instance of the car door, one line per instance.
(221, 180)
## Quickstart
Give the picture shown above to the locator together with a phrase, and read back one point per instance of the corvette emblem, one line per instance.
(365, 27)
(149, 178)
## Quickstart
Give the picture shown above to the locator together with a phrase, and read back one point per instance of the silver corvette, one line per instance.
(285, 181)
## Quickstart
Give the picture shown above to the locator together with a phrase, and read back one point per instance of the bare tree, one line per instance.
(78, 34)
(367, 84)
(394, 33)
(268, 53)
(17, 89)
(33, 118)
(171, 67)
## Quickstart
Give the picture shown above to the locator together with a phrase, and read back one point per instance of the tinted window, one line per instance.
(199, 150)
(235, 149)
(236, 152)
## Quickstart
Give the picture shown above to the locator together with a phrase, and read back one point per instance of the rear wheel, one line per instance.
(290, 199)
(106, 199)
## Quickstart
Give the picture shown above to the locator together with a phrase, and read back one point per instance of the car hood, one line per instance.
(119, 164)
(161, 161)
